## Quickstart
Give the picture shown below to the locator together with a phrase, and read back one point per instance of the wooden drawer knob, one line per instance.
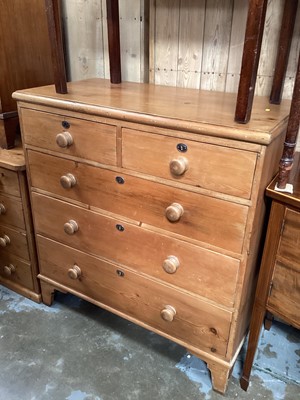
(2, 209)
(178, 166)
(71, 227)
(68, 181)
(4, 241)
(171, 264)
(74, 272)
(9, 269)
(168, 313)
(64, 139)
(174, 212)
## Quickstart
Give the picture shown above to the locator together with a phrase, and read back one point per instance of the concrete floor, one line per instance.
(76, 351)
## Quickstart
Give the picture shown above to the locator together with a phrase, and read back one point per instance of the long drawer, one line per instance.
(15, 270)
(14, 242)
(11, 211)
(212, 167)
(9, 182)
(206, 219)
(87, 139)
(187, 318)
(197, 270)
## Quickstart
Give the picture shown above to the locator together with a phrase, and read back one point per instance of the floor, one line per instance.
(76, 351)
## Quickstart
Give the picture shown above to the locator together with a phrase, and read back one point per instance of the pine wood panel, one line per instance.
(18, 242)
(289, 247)
(22, 274)
(13, 214)
(9, 182)
(196, 322)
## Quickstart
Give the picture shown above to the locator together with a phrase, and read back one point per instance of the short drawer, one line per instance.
(11, 211)
(14, 242)
(203, 218)
(81, 138)
(15, 270)
(173, 261)
(289, 246)
(9, 182)
(160, 307)
(217, 168)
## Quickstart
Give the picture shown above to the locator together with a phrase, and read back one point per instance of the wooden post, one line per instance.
(114, 40)
(57, 51)
(287, 158)
(284, 46)
(252, 46)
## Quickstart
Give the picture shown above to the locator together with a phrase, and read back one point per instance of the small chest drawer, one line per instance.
(168, 310)
(9, 182)
(11, 211)
(217, 168)
(73, 136)
(173, 261)
(289, 246)
(14, 242)
(203, 218)
(15, 270)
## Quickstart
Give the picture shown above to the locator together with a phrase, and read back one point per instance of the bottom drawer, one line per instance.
(162, 308)
(16, 270)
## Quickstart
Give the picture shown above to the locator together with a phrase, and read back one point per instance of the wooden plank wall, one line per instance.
(188, 43)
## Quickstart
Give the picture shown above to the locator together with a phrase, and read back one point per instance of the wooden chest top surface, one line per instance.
(203, 112)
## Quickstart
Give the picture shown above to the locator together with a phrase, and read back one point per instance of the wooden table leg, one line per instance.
(284, 46)
(252, 46)
(113, 31)
(56, 43)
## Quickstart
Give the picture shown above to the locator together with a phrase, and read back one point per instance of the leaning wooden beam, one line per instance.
(57, 51)
(287, 158)
(114, 40)
(252, 46)
(284, 46)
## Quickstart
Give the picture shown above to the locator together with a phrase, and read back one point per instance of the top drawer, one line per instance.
(212, 167)
(9, 182)
(72, 136)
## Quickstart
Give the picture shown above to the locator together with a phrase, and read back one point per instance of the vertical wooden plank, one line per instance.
(113, 30)
(130, 31)
(239, 20)
(191, 31)
(269, 47)
(144, 59)
(166, 41)
(152, 39)
(251, 54)
(84, 38)
(55, 33)
(218, 21)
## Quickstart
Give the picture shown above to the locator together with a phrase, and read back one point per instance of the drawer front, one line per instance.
(204, 218)
(212, 167)
(285, 292)
(196, 323)
(197, 270)
(90, 140)
(9, 182)
(11, 211)
(15, 270)
(289, 246)
(14, 242)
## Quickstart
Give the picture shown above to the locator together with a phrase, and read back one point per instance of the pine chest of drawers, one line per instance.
(148, 201)
(18, 263)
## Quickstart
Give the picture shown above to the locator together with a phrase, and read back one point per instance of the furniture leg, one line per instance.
(284, 46)
(47, 293)
(57, 52)
(268, 320)
(114, 40)
(219, 376)
(253, 39)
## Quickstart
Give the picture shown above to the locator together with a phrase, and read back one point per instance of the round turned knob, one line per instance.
(9, 269)
(74, 272)
(71, 227)
(68, 181)
(170, 264)
(4, 240)
(179, 166)
(174, 212)
(64, 139)
(2, 209)
(168, 313)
